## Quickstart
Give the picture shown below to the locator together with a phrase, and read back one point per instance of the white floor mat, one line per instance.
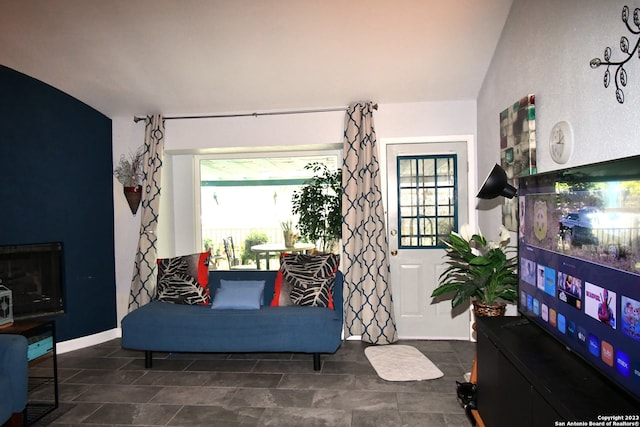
(401, 363)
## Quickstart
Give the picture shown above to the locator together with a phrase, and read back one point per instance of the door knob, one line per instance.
(394, 252)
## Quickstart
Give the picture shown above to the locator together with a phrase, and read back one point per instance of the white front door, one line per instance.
(427, 197)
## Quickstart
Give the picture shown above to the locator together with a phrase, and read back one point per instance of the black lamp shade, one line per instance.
(496, 185)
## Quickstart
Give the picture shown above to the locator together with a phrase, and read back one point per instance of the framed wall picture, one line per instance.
(517, 150)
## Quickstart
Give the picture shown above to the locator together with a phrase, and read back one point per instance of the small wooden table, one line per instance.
(266, 248)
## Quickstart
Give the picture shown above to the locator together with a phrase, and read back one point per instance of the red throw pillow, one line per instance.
(280, 298)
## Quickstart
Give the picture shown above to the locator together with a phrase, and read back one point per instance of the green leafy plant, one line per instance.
(478, 269)
(129, 170)
(319, 206)
(254, 238)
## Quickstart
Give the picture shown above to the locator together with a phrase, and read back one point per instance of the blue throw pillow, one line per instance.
(247, 284)
(238, 298)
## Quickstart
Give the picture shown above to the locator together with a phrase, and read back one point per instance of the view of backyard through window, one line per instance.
(247, 199)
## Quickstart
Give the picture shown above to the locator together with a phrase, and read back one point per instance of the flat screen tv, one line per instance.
(579, 258)
(34, 274)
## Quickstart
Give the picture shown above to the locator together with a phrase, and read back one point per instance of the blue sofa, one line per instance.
(13, 376)
(161, 326)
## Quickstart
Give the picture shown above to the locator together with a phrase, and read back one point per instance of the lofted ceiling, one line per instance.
(176, 57)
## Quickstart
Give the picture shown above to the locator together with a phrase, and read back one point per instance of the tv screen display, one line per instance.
(34, 274)
(579, 259)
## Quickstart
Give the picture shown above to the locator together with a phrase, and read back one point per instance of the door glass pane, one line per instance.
(446, 202)
(446, 171)
(427, 205)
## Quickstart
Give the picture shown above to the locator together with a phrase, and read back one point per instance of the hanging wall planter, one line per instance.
(129, 174)
(133, 196)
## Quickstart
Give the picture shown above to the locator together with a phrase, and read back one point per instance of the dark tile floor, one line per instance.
(107, 385)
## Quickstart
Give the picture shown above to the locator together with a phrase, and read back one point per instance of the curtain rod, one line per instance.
(275, 113)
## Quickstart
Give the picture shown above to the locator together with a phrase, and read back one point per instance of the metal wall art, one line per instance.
(620, 75)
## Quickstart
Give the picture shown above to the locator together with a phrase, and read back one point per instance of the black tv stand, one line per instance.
(527, 378)
(515, 322)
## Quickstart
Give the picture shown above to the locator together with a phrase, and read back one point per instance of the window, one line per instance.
(247, 195)
(427, 193)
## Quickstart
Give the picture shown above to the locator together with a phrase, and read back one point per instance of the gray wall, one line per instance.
(545, 49)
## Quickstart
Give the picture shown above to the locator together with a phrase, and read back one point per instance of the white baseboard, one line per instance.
(89, 340)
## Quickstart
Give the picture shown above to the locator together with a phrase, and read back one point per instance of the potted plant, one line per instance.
(290, 236)
(318, 205)
(480, 270)
(129, 173)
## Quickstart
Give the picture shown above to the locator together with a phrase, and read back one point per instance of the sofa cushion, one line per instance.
(194, 328)
(184, 279)
(249, 284)
(201, 329)
(243, 296)
(13, 375)
(216, 277)
(281, 292)
(310, 279)
(6, 407)
(314, 292)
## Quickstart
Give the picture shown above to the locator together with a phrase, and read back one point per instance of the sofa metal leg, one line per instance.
(316, 362)
(148, 360)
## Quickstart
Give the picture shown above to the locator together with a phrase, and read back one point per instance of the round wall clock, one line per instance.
(561, 142)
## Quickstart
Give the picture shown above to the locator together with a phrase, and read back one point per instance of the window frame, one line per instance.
(325, 150)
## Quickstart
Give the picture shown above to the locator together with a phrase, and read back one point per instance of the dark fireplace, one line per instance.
(34, 274)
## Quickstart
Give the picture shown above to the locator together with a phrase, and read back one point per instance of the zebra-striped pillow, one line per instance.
(311, 277)
(180, 289)
(184, 279)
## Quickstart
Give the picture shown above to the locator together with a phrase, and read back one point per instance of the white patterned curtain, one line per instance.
(367, 290)
(143, 283)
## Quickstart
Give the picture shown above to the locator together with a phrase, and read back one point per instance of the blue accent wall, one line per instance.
(56, 185)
